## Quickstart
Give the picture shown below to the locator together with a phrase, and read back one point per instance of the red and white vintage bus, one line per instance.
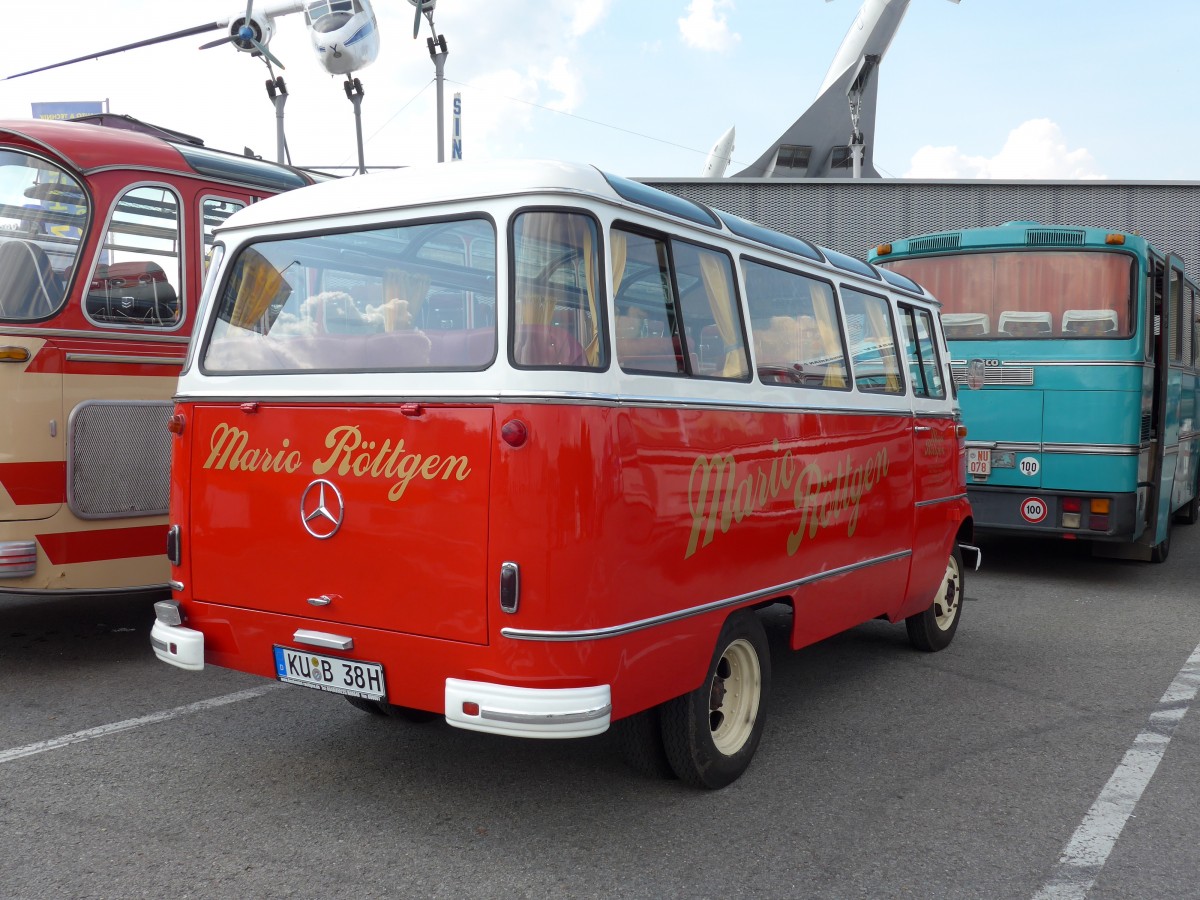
(526, 446)
(104, 233)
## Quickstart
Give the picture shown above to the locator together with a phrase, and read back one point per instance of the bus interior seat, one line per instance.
(1089, 321)
(29, 286)
(1021, 323)
(966, 325)
(546, 345)
(650, 354)
(132, 290)
(462, 348)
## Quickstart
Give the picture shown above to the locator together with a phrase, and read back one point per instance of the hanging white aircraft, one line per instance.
(835, 136)
(344, 34)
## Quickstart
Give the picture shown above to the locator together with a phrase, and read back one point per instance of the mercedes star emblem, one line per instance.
(322, 509)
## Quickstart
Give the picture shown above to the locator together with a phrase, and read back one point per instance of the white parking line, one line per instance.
(1085, 854)
(102, 730)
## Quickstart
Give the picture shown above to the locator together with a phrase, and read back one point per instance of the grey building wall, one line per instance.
(853, 216)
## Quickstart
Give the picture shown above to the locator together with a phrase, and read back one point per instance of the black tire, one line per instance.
(367, 706)
(1189, 513)
(640, 742)
(710, 734)
(1160, 551)
(933, 629)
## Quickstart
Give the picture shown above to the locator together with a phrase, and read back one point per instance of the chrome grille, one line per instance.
(119, 459)
(1012, 375)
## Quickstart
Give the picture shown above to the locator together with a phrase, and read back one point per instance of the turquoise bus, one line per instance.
(1078, 350)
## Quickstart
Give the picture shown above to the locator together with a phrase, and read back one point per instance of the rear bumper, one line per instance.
(179, 646)
(528, 712)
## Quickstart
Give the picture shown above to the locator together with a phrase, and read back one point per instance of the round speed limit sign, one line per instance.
(1033, 510)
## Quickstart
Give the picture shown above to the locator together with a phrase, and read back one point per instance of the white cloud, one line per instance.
(1034, 149)
(588, 13)
(706, 28)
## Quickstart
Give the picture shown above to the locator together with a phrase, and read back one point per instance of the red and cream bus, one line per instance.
(104, 233)
(527, 446)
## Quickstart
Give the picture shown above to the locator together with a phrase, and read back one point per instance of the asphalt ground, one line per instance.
(1048, 752)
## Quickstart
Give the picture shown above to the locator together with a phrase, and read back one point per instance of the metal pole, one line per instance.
(438, 52)
(277, 91)
(354, 91)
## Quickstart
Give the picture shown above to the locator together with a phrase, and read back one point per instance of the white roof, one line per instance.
(418, 185)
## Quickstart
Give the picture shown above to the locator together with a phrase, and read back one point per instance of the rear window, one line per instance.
(403, 298)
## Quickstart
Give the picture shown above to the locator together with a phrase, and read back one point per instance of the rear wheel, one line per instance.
(640, 741)
(1189, 513)
(710, 734)
(1159, 552)
(934, 628)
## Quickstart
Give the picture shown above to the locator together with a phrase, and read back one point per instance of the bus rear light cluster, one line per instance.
(1097, 509)
(18, 559)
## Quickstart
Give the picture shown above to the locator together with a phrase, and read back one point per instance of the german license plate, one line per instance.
(979, 461)
(328, 673)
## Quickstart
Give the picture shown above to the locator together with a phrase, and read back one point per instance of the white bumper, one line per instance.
(528, 712)
(179, 646)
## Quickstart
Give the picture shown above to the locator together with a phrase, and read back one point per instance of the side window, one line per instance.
(213, 213)
(872, 343)
(1175, 315)
(138, 272)
(556, 292)
(648, 335)
(923, 365)
(798, 337)
(712, 319)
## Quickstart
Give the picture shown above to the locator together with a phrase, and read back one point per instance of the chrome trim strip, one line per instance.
(1025, 363)
(140, 337)
(118, 358)
(175, 585)
(1081, 449)
(323, 639)
(586, 715)
(1093, 449)
(921, 503)
(614, 401)
(596, 634)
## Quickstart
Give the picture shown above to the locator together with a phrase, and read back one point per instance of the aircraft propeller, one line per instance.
(248, 36)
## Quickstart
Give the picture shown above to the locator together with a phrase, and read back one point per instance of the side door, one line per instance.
(936, 468)
(1159, 469)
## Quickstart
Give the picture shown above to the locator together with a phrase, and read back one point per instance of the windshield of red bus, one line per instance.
(43, 216)
(1029, 293)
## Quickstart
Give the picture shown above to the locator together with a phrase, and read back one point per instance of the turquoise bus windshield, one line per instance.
(1029, 293)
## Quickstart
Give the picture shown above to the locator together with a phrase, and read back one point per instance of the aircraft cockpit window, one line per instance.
(43, 217)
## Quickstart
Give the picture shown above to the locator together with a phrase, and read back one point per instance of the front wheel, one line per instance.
(710, 734)
(934, 628)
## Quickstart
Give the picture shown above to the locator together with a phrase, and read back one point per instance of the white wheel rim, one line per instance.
(949, 596)
(734, 696)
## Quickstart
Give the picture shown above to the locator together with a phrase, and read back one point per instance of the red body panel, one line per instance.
(614, 513)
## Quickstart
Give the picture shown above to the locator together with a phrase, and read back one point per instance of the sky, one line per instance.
(1005, 89)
